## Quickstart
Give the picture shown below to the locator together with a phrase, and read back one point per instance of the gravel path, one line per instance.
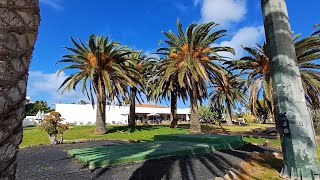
(52, 162)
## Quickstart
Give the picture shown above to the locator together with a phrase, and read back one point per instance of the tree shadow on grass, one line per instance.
(127, 129)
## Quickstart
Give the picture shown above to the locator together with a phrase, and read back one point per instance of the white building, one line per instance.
(85, 114)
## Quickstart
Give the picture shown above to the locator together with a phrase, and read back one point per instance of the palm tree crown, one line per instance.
(102, 65)
(189, 62)
(229, 90)
(256, 67)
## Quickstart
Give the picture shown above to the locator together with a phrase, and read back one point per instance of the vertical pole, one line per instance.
(296, 130)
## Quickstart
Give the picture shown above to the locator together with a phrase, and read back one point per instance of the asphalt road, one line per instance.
(53, 162)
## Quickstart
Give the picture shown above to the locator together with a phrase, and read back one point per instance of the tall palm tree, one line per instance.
(256, 67)
(170, 90)
(143, 66)
(18, 36)
(229, 90)
(103, 64)
(190, 62)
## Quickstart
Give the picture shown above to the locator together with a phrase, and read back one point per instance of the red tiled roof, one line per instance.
(150, 105)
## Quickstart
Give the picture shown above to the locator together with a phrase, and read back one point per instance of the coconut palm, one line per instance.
(229, 90)
(19, 24)
(102, 65)
(190, 63)
(256, 67)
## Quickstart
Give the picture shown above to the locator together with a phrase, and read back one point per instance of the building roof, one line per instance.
(150, 105)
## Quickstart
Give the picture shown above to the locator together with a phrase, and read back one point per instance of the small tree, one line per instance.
(33, 108)
(206, 115)
(53, 126)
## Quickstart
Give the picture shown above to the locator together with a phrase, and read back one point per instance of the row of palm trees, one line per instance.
(191, 67)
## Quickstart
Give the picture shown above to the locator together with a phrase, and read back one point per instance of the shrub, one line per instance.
(53, 126)
(249, 118)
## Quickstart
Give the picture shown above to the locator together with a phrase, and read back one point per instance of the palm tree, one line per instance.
(228, 91)
(104, 64)
(256, 67)
(18, 36)
(143, 66)
(317, 32)
(168, 91)
(189, 63)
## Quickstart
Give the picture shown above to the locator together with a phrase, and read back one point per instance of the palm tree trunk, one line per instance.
(101, 117)
(297, 134)
(173, 110)
(101, 106)
(132, 114)
(195, 126)
(229, 113)
(19, 29)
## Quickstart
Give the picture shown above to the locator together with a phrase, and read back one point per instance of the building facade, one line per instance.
(79, 114)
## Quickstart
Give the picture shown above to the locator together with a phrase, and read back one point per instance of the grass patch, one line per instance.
(247, 128)
(34, 136)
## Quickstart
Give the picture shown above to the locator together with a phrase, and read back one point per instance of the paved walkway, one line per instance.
(52, 162)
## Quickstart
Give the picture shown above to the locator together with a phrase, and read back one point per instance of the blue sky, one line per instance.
(138, 24)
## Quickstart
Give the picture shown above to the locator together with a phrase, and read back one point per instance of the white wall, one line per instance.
(29, 121)
(86, 114)
(77, 113)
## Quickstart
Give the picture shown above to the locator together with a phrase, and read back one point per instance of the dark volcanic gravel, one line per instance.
(52, 162)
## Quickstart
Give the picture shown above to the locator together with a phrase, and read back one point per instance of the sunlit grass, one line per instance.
(33, 136)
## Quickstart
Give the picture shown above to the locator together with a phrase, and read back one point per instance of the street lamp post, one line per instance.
(293, 119)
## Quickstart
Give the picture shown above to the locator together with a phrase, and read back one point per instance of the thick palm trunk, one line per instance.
(195, 126)
(132, 114)
(101, 117)
(296, 131)
(173, 110)
(18, 32)
(229, 113)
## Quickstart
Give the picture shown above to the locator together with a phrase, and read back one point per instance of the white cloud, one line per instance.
(223, 12)
(56, 4)
(247, 36)
(149, 53)
(45, 86)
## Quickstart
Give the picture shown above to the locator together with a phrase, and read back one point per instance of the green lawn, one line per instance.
(33, 136)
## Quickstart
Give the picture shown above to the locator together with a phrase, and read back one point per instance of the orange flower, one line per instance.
(92, 59)
(219, 88)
